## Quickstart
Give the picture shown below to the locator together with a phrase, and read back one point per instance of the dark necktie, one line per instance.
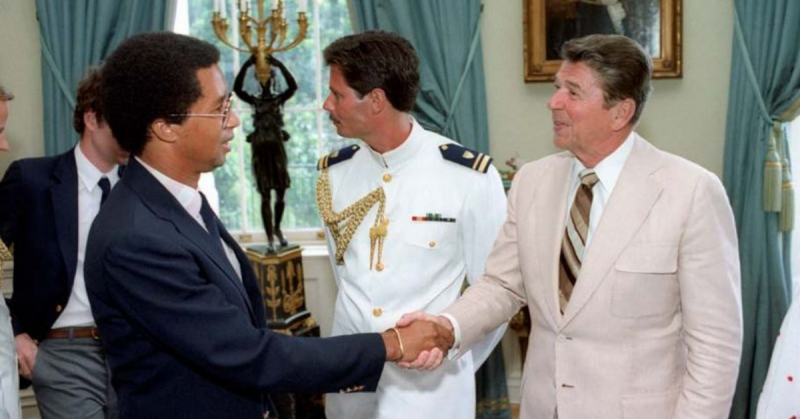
(210, 220)
(574, 242)
(105, 186)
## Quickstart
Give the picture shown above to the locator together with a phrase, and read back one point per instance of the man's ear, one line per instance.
(623, 113)
(163, 131)
(377, 100)
(90, 120)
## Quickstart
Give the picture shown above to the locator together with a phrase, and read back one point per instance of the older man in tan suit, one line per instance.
(625, 255)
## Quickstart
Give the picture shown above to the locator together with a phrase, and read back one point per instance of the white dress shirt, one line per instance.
(190, 199)
(78, 312)
(607, 171)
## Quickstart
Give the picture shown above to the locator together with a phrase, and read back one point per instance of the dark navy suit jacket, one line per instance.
(186, 338)
(39, 216)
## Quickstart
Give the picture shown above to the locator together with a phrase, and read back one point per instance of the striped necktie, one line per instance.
(574, 241)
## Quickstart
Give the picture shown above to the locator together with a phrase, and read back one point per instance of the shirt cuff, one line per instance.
(453, 353)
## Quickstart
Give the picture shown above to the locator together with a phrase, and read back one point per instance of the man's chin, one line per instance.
(216, 164)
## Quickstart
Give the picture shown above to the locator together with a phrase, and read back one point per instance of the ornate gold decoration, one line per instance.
(292, 294)
(274, 24)
(344, 224)
(5, 255)
(273, 291)
(308, 323)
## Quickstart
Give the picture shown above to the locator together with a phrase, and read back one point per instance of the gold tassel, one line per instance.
(772, 178)
(787, 200)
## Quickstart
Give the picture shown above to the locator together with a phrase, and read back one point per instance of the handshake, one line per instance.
(419, 341)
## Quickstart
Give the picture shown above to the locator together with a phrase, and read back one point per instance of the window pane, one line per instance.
(229, 180)
(301, 209)
(334, 22)
(300, 60)
(307, 124)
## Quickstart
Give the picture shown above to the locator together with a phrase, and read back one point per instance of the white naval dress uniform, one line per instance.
(424, 264)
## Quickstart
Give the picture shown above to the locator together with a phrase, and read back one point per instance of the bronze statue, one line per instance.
(269, 156)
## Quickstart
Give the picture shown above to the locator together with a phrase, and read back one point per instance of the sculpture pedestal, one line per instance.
(280, 277)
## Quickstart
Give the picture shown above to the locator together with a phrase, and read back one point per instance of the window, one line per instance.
(312, 134)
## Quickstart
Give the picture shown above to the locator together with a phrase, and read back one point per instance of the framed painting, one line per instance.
(655, 24)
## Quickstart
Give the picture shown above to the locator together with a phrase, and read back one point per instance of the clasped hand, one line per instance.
(421, 341)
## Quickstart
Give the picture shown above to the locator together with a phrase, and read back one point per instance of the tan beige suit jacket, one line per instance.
(653, 329)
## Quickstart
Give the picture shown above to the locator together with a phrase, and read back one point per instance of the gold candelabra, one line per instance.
(270, 31)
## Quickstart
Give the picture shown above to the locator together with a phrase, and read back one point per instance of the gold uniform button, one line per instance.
(432, 244)
(379, 267)
(59, 308)
(387, 177)
(377, 312)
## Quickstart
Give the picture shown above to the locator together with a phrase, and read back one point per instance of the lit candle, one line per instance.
(274, 4)
(303, 6)
(216, 5)
(223, 12)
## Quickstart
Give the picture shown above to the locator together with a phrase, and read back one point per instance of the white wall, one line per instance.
(20, 72)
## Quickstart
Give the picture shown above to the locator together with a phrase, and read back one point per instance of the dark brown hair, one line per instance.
(378, 60)
(88, 99)
(619, 63)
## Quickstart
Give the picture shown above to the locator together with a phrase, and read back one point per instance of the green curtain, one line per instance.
(446, 35)
(74, 35)
(765, 83)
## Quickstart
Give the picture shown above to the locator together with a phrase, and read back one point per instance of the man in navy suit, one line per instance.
(176, 301)
(49, 204)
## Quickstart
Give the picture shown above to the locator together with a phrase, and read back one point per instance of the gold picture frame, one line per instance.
(656, 24)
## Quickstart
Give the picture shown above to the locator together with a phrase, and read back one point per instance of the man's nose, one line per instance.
(555, 101)
(234, 120)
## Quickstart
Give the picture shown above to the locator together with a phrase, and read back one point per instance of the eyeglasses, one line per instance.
(225, 115)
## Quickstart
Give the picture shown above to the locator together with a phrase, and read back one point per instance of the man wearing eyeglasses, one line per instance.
(48, 206)
(177, 303)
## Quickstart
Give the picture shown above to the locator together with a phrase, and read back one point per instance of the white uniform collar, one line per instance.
(405, 152)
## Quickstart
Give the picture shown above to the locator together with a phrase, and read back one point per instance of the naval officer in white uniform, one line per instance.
(409, 214)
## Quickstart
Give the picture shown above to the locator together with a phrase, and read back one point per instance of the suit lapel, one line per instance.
(549, 221)
(244, 266)
(166, 207)
(64, 201)
(627, 208)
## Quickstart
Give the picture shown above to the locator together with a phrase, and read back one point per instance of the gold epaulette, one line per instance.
(465, 157)
(337, 157)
